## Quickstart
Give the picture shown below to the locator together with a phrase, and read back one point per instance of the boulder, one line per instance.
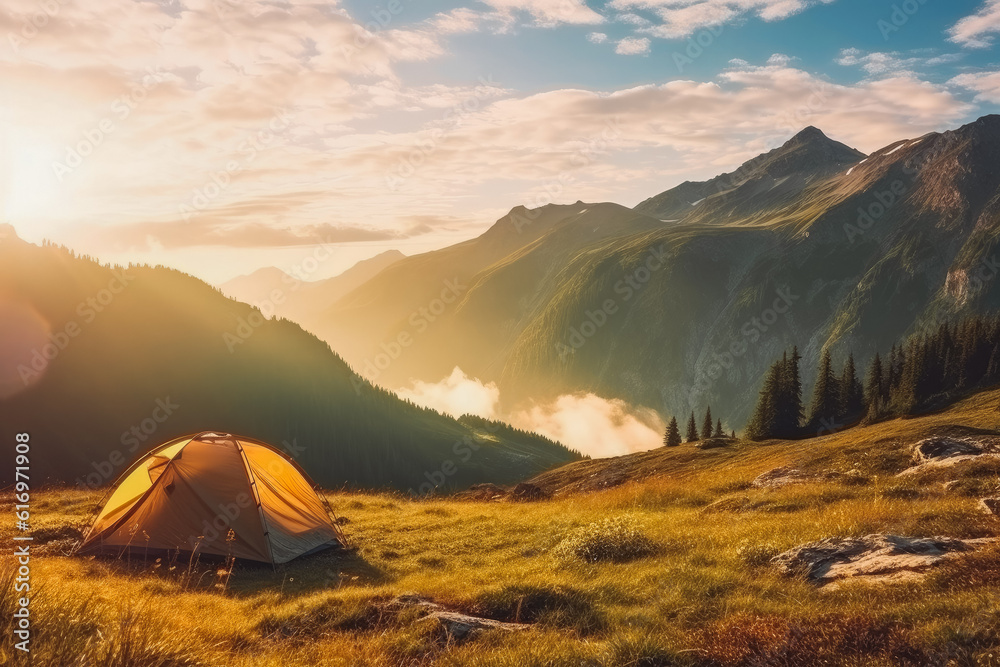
(461, 626)
(778, 477)
(990, 505)
(878, 555)
(950, 451)
(933, 449)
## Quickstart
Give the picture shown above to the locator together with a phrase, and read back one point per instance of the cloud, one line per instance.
(976, 31)
(455, 395)
(588, 423)
(681, 18)
(179, 234)
(631, 46)
(985, 84)
(881, 63)
(597, 37)
(593, 425)
(548, 13)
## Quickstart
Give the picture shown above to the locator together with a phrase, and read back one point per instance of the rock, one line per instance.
(413, 600)
(712, 443)
(525, 492)
(990, 505)
(952, 485)
(881, 556)
(933, 449)
(461, 626)
(778, 477)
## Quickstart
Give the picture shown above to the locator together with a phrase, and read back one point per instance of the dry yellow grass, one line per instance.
(703, 596)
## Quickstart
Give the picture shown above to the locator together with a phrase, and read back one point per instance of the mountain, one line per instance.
(299, 299)
(758, 184)
(99, 363)
(812, 244)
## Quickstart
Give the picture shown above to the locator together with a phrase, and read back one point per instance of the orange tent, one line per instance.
(214, 493)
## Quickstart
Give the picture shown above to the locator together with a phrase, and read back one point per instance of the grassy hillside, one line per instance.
(100, 364)
(698, 591)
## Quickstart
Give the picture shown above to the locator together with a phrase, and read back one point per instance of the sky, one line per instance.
(220, 136)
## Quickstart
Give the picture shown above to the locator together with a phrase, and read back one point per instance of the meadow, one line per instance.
(669, 569)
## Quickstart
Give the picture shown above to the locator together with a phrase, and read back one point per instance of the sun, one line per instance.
(29, 187)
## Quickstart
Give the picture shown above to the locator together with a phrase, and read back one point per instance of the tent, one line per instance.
(214, 493)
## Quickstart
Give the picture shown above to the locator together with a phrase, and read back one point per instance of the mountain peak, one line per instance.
(810, 133)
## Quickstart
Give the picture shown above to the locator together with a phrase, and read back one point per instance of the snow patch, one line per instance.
(695, 203)
(902, 145)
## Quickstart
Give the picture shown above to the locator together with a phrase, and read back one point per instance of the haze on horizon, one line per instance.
(219, 137)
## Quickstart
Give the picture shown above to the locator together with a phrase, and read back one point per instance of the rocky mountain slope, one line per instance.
(812, 244)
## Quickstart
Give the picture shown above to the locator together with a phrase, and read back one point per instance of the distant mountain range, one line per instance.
(686, 299)
(298, 298)
(99, 363)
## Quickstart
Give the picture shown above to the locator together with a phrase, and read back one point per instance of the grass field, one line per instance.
(681, 576)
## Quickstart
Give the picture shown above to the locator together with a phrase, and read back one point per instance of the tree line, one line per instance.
(672, 436)
(923, 371)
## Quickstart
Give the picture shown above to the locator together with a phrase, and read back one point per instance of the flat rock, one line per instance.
(778, 477)
(950, 451)
(932, 449)
(875, 557)
(461, 626)
(990, 505)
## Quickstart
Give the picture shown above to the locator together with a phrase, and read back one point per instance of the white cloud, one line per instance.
(549, 13)
(632, 46)
(586, 422)
(597, 37)
(878, 63)
(593, 425)
(681, 18)
(985, 84)
(455, 395)
(976, 31)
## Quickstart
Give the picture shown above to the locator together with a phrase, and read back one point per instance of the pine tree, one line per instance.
(788, 400)
(850, 397)
(825, 393)
(874, 389)
(706, 425)
(672, 437)
(692, 434)
(718, 430)
(764, 420)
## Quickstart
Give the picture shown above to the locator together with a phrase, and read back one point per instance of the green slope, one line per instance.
(169, 355)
